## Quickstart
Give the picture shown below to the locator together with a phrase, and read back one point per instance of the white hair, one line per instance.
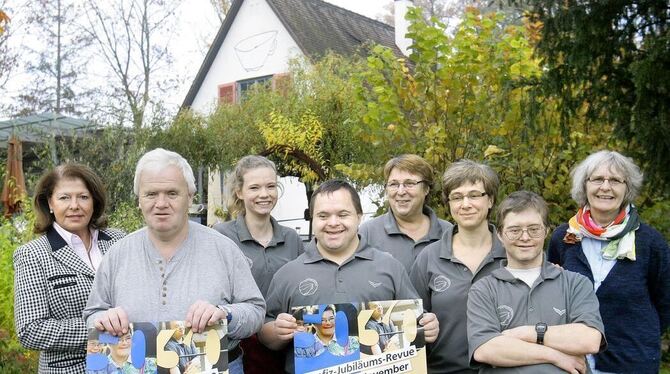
(614, 161)
(159, 159)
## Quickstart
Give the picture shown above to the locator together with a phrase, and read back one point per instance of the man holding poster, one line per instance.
(174, 269)
(336, 268)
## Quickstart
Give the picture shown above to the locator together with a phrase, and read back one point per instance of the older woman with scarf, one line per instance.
(627, 261)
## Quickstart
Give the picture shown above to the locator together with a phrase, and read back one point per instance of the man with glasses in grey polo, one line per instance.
(531, 316)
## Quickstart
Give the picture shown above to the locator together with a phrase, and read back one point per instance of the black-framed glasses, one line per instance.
(613, 181)
(407, 184)
(534, 231)
(472, 195)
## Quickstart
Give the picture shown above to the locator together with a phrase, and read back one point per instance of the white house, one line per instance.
(255, 43)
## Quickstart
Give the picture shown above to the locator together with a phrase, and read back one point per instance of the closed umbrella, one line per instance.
(14, 186)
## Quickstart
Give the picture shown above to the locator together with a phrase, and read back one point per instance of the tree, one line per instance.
(8, 58)
(451, 12)
(137, 60)
(474, 95)
(4, 21)
(221, 7)
(56, 60)
(612, 59)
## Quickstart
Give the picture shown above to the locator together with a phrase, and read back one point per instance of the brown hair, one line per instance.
(413, 164)
(44, 219)
(518, 202)
(468, 171)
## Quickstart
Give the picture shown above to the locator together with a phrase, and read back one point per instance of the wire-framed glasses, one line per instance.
(407, 184)
(534, 231)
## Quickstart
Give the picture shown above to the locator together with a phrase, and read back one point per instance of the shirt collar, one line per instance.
(548, 271)
(70, 238)
(278, 235)
(391, 224)
(447, 249)
(312, 254)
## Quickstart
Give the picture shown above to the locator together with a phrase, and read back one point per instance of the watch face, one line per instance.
(541, 327)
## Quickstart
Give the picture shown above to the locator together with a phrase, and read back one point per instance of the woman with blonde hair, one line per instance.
(253, 191)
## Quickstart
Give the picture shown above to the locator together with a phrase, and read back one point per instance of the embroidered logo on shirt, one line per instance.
(560, 312)
(308, 287)
(441, 283)
(505, 315)
(375, 284)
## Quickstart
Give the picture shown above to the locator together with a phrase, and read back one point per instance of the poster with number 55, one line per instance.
(158, 348)
(377, 337)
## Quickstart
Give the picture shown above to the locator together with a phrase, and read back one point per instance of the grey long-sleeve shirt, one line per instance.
(208, 266)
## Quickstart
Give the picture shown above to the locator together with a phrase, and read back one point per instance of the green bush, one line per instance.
(13, 232)
(126, 216)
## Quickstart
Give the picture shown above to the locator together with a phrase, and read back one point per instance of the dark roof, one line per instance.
(318, 26)
(315, 25)
(38, 128)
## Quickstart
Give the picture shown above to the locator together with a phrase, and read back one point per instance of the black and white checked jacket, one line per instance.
(51, 287)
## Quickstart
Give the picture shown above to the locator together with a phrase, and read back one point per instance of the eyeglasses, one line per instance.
(514, 233)
(408, 185)
(614, 182)
(125, 339)
(472, 195)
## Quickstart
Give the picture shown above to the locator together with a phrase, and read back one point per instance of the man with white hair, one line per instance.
(174, 269)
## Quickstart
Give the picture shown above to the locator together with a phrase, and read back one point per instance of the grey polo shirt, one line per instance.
(284, 246)
(383, 233)
(369, 275)
(443, 282)
(500, 302)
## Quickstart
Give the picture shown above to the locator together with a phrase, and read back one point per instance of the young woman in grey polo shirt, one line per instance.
(445, 270)
(253, 190)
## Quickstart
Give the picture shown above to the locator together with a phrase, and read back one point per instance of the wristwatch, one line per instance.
(540, 329)
(229, 313)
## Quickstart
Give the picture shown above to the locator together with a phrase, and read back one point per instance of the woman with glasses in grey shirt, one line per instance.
(445, 270)
(409, 225)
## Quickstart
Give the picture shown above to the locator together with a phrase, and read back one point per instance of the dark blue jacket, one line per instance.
(634, 300)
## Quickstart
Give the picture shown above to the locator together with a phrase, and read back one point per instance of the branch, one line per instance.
(299, 155)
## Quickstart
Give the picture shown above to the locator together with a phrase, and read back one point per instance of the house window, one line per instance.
(227, 93)
(244, 85)
(234, 92)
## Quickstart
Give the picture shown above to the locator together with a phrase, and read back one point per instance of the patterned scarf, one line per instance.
(620, 234)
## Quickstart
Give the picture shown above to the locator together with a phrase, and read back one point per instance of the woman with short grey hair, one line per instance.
(627, 261)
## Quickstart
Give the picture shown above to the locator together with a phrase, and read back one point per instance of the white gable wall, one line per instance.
(256, 45)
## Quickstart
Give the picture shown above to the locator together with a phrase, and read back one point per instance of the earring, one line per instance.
(51, 211)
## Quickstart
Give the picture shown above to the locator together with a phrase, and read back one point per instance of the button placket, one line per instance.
(163, 291)
(339, 282)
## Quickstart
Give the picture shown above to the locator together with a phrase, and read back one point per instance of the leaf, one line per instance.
(493, 150)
